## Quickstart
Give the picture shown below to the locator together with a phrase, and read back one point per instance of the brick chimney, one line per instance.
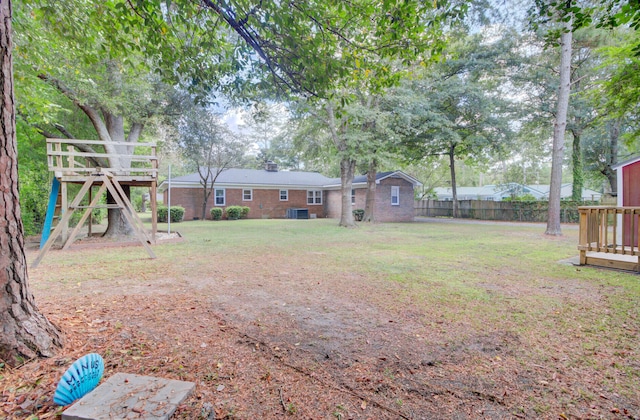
(270, 166)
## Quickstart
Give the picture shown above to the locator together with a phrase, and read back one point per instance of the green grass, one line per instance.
(430, 261)
(487, 277)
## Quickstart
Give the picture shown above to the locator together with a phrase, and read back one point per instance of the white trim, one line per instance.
(363, 184)
(301, 187)
(626, 162)
(250, 194)
(402, 175)
(619, 200)
(314, 197)
(215, 197)
(395, 189)
(327, 186)
(286, 193)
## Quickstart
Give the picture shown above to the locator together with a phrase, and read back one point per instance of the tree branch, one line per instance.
(134, 134)
(99, 162)
(250, 38)
(93, 115)
(44, 132)
(63, 130)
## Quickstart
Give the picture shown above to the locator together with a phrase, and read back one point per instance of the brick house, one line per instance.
(270, 193)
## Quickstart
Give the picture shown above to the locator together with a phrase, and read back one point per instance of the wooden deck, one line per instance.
(602, 259)
(609, 237)
(71, 164)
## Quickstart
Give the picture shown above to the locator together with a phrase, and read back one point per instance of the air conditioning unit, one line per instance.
(296, 213)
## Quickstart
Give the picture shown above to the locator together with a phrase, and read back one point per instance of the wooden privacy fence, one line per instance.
(521, 211)
(609, 237)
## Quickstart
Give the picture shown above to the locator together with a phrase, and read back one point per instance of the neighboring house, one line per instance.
(269, 193)
(566, 190)
(489, 192)
(500, 192)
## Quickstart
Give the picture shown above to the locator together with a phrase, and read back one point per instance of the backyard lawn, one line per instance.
(301, 318)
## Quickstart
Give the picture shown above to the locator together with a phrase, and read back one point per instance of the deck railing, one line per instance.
(609, 230)
(65, 159)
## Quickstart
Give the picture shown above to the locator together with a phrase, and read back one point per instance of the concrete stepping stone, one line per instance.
(129, 396)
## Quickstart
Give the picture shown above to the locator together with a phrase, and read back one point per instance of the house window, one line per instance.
(219, 196)
(247, 195)
(353, 196)
(284, 195)
(395, 195)
(314, 197)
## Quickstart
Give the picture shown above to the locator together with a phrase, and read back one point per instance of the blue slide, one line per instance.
(51, 209)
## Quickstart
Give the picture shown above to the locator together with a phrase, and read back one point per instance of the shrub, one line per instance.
(245, 212)
(33, 198)
(233, 212)
(216, 213)
(528, 197)
(177, 213)
(137, 203)
(97, 215)
(358, 214)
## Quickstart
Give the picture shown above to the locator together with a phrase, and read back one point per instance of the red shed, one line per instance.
(628, 175)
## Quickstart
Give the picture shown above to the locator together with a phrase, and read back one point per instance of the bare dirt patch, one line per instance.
(270, 337)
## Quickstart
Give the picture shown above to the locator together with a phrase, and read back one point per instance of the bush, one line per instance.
(245, 212)
(233, 212)
(137, 203)
(177, 213)
(216, 213)
(96, 217)
(527, 198)
(358, 214)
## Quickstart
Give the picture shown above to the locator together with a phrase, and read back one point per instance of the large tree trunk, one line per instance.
(26, 333)
(612, 156)
(370, 200)
(205, 198)
(206, 193)
(347, 165)
(553, 218)
(207, 187)
(347, 170)
(454, 188)
(118, 225)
